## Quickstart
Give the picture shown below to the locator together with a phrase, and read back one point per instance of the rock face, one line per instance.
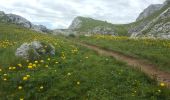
(76, 23)
(136, 30)
(84, 25)
(158, 27)
(34, 50)
(15, 19)
(2, 14)
(40, 28)
(18, 20)
(102, 30)
(166, 2)
(149, 10)
(65, 32)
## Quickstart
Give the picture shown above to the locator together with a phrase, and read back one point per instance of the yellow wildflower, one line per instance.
(78, 83)
(10, 68)
(34, 65)
(25, 78)
(36, 62)
(5, 79)
(19, 87)
(68, 74)
(162, 84)
(41, 87)
(20, 65)
(46, 65)
(159, 90)
(21, 98)
(0, 70)
(30, 67)
(28, 76)
(41, 61)
(48, 59)
(13, 68)
(5, 74)
(30, 64)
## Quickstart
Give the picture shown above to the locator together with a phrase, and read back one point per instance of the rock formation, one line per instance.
(18, 20)
(34, 50)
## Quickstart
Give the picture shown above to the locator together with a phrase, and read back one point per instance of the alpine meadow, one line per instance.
(91, 58)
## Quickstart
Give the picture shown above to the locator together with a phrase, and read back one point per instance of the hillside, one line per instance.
(91, 60)
(73, 73)
(153, 25)
(152, 22)
(85, 25)
(19, 20)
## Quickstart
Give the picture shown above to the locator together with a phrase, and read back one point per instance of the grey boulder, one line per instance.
(34, 50)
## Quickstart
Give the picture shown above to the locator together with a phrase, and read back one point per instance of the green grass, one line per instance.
(74, 73)
(89, 24)
(155, 51)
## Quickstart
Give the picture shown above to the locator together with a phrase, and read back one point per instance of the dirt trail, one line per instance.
(145, 67)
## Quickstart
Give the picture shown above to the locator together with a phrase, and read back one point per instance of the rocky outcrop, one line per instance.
(84, 25)
(102, 30)
(15, 19)
(65, 32)
(18, 20)
(166, 2)
(40, 28)
(136, 30)
(149, 11)
(3, 17)
(76, 23)
(34, 50)
(158, 27)
(2, 14)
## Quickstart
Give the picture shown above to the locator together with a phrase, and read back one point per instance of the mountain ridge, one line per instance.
(21, 21)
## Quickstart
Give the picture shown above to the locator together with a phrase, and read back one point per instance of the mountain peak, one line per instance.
(76, 23)
(167, 2)
(149, 11)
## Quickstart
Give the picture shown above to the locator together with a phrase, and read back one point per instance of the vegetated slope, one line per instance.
(154, 25)
(156, 51)
(85, 25)
(73, 73)
(18, 20)
(149, 11)
(152, 22)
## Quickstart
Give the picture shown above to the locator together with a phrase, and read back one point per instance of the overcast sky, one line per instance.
(60, 13)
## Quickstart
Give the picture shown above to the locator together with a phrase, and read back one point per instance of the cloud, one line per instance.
(60, 13)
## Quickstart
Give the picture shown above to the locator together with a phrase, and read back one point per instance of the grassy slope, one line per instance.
(156, 51)
(89, 24)
(121, 29)
(148, 19)
(160, 20)
(74, 73)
